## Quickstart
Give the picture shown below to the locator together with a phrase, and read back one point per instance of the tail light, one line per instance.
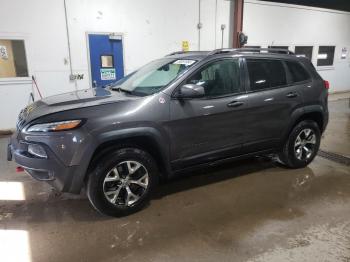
(19, 169)
(326, 84)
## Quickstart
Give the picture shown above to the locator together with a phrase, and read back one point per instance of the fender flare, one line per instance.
(159, 139)
(298, 113)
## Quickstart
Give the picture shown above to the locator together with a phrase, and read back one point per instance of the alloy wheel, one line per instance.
(304, 145)
(126, 183)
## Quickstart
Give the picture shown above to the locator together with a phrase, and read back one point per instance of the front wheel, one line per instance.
(122, 182)
(302, 145)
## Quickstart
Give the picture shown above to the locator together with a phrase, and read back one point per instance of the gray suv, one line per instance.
(183, 111)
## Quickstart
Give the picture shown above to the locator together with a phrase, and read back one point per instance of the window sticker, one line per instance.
(184, 62)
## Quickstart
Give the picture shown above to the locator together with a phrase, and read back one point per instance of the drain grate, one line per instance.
(334, 157)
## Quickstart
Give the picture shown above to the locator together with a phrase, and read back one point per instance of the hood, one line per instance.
(77, 98)
(69, 101)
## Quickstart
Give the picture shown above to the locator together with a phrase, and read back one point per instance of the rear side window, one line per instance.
(297, 72)
(264, 73)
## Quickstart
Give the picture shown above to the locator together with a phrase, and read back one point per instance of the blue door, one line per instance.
(106, 59)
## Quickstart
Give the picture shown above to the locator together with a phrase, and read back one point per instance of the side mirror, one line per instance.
(191, 91)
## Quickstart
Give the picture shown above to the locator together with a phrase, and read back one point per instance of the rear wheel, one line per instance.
(302, 145)
(122, 182)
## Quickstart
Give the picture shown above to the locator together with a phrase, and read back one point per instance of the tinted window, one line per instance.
(297, 72)
(325, 55)
(305, 51)
(218, 78)
(266, 74)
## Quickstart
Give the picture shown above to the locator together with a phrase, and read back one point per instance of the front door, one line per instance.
(209, 128)
(106, 58)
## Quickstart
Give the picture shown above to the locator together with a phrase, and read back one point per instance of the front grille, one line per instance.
(20, 121)
(23, 115)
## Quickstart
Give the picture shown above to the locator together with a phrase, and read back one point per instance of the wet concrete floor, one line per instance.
(252, 210)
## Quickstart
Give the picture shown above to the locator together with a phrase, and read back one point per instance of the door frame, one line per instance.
(87, 33)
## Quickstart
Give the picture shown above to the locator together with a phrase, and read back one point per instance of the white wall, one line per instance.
(151, 29)
(293, 25)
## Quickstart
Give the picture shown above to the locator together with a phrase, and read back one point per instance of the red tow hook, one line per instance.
(19, 169)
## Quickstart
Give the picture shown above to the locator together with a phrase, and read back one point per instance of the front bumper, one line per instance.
(65, 178)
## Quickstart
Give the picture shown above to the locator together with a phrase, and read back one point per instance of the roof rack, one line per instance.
(187, 52)
(252, 50)
(176, 53)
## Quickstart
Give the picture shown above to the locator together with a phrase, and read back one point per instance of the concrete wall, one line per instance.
(150, 28)
(281, 24)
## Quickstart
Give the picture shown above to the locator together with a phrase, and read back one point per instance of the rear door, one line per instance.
(271, 100)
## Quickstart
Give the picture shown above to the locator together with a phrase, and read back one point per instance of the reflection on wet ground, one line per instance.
(337, 135)
(252, 210)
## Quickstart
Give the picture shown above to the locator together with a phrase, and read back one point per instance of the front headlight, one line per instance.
(55, 126)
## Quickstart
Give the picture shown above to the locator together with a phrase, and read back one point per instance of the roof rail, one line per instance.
(188, 52)
(176, 53)
(252, 50)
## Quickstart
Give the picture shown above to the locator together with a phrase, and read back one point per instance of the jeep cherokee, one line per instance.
(186, 110)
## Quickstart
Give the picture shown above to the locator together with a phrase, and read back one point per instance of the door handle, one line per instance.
(292, 95)
(235, 104)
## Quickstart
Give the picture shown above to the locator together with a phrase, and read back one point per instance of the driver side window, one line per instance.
(218, 78)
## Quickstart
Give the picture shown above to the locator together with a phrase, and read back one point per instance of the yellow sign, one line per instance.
(185, 46)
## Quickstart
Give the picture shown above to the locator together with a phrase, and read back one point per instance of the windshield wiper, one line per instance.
(114, 88)
(119, 89)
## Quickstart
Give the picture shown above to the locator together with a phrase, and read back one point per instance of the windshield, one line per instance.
(153, 77)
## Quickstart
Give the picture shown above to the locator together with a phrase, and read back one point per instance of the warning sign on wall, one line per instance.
(107, 73)
(185, 46)
(344, 53)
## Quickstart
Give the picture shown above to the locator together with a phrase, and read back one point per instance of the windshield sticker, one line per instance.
(184, 62)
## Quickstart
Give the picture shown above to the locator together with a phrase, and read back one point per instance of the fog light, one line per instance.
(37, 150)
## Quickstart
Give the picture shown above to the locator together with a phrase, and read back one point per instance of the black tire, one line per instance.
(120, 158)
(290, 155)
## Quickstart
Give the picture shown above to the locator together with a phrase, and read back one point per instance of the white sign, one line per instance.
(184, 62)
(115, 37)
(344, 53)
(108, 74)
(3, 52)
